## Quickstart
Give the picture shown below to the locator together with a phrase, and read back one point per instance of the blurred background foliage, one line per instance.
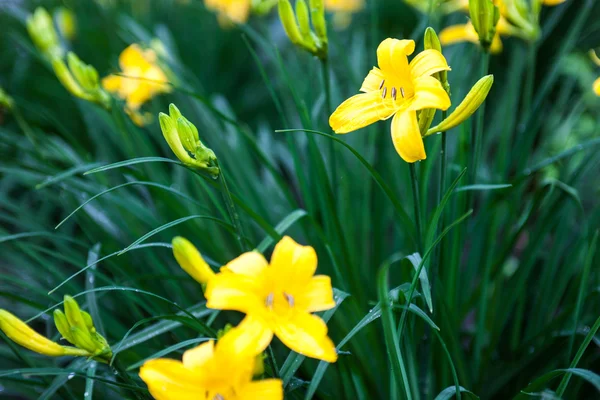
(529, 242)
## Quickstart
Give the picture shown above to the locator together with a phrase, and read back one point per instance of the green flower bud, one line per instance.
(60, 320)
(188, 134)
(41, 30)
(288, 20)
(484, 16)
(467, 107)
(5, 100)
(317, 10)
(82, 339)
(80, 79)
(74, 316)
(303, 19)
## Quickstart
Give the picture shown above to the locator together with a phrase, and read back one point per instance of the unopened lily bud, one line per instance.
(80, 79)
(19, 332)
(432, 42)
(65, 19)
(183, 139)
(74, 316)
(484, 16)
(86, 75)
(82, 339)
(191, 261)
(66, 78)
(41, 30)
(62, 324)
(87, 318)
(5, 100)
(467, 107)
(288, 20)
(303, 18)
(317, 11)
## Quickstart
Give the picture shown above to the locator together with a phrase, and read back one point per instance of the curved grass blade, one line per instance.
(416, 260)
(451, 391)
(281, 227)
(536, 385)
(405, 219)
(132, 161)
(483, 187)
(66, 174)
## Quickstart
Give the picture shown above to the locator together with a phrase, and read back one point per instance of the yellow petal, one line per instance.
(191, 261)
(359, 111)
(170, 380)
(372, 81)
(427, 63)
(407, 137)
(392, 56)
(199, 355)
(112, 83)
(307, 334)
(249, 338)
(596, 87)
(250, 264)
(317, 296)
(19, 332)
(229, 291)
(133, 56)
(458, 33)
(267, 389)
(496, 46)
(292, 264)
(552, 2)
(429, 93)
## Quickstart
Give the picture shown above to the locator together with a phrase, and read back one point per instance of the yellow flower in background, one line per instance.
(142, 80)
(210, 372)
(229, 11)
(399, 89)
(596, 60)
(552, 2)
(466, 33)
(343, 10)
(67, 24)
(278, 299)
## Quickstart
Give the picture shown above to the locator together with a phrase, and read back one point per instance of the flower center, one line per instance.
(218, 396)
(286, 301)
(393, 92)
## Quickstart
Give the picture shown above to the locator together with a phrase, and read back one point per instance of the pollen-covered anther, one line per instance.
(289, 298)
(384, 92)
(402, 92)
(394, 91)
(269, 300)
(381, 84)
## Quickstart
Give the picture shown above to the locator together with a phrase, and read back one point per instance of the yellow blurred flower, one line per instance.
(343, 10)
(596, 60)
(142, 80)
(466, 33)
(210, 372)
(229, 11)
(67, 23)
(278, 299)
(552, 2)
(189, 259)
(399, 89)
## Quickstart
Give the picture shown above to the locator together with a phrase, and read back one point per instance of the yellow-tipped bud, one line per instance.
(317, 10)
(62, 324)
(303, 19)
(74, 314)
(19, 332)
(191, 261)
(65, 19)
(183, 139)
(42, 33)
(80, 79)
(467, 107)
(82, 339)
(484, 16)
(288, 20)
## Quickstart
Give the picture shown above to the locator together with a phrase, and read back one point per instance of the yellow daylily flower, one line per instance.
(342, 11)
(596, 86)
(209, 372)
(278, 299)
(143, 77)
(229, 11)
(466, 33)
(399, 89)
(552, 2)
(596, 60)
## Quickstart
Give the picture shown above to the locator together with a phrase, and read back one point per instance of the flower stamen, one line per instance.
(394, 93)
(384, 92)
(218, 396)
(289, 298)
(381, 84)
(269, 300)
(402, 92)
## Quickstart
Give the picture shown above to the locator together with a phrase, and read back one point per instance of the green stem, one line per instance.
(441, 190)
(233, 215)
(417, 205)
(328, 109)
(476, 144)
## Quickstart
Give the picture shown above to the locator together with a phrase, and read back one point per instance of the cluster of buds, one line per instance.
(297, 25)
(467, 106)
(75, 326)
(182, 137)
(78, 78)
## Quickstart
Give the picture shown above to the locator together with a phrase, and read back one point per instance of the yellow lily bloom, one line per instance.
(209, 372)
(143, 77)
(596, 60)
(399, 89)
(228, 11)
(277, 298)
(343, 10)
(466, 33)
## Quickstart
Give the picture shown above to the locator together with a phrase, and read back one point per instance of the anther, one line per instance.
(269, 300)
(402, 92)
(218, 396)
(394, 93)
(384, 92)
(381, 84)
(289, 298)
